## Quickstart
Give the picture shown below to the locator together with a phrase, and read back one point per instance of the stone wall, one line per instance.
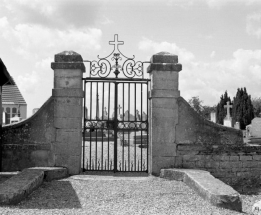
(181, 138)
(29, 143)
(220, 150)
(53, 135)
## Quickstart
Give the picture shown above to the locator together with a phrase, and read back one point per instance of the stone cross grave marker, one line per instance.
(228, 119)
(228, 106)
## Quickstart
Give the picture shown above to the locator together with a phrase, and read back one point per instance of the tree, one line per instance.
(221, 112)
(243, 110)
(201, 109)
(196, 104)
(257, 106)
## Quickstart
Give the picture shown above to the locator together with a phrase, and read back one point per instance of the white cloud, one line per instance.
(106, 21)
(27, 82)
(32, 41)
(213, 54)
(210, 80)
(57, 14)
(154, 47)
(38, 44)
(3, 22)
(220, 3)
(253, 26)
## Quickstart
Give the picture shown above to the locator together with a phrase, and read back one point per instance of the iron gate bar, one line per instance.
(84, 117)
(135, 143)
(108, 119)
(129, 132)
(147, 125)
(123, 130)
(141, 120)
(115, 127)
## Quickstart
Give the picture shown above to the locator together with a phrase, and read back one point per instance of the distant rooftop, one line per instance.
(12, 95)
(5, 78)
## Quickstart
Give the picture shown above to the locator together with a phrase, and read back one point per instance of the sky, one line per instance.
(218, 42)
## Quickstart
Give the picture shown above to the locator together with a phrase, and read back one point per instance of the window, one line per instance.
(14, 111)
(8, 115)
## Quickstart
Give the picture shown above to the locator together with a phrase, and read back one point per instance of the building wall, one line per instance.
(23, 110)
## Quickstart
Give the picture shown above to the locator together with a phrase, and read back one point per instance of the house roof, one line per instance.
(5, 78)
(12, 95)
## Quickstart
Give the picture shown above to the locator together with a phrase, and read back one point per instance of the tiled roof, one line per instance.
(5, 78)
(12, 95)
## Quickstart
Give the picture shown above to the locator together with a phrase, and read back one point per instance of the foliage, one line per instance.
(221, 111)
(243, 110)
(196, 104)
(257, 106)
(201, 109)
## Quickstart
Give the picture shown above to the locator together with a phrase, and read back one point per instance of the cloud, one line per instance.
(209, 80)
(106, 21)
(37, 44)
(33, 41)
(59, 13)
(253, 26)
(213, 53)
(154, 47)
(220, 3)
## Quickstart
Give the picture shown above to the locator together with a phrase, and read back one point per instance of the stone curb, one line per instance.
(15, 189)
(208, 187)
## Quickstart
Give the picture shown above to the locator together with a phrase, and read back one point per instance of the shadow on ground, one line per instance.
(248, 187)
(52, 195)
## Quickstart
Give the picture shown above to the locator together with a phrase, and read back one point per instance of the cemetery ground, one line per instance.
(106, 194)
(86, 194)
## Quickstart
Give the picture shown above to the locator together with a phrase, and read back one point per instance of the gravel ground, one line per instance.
(118, 195)
(128, 156)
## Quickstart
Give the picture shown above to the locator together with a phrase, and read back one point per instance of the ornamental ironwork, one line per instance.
(116, 63)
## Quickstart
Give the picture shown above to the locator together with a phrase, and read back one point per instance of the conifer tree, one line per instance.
(221, 112)
(243, 110)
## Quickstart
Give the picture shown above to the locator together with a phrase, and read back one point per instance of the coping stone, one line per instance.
(207, 186)
(52, 173)
(68, 56)
(164, 57)
(18, 187)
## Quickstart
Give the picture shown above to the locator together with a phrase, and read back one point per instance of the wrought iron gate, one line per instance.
(115, 131)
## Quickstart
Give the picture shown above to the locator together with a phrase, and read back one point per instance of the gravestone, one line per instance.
(213, 117)
(237, 125)
(128, 116)
(255, 131)
(228, 118)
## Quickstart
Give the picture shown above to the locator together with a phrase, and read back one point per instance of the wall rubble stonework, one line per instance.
(29, 143)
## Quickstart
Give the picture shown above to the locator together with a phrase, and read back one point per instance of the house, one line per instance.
(13, 103)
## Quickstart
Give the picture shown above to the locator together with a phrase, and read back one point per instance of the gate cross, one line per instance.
(116, 42)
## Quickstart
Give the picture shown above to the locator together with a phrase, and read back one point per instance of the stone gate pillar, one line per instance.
(68, 94)
(164, 74)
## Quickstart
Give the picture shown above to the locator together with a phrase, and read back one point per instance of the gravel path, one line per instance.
(118, 195)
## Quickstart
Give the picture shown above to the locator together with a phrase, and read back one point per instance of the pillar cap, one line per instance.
(164, 61)
(68, 56)
(68, 60)
(164, 57)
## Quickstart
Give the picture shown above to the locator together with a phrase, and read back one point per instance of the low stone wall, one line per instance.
(220, 150)
(29, 143)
